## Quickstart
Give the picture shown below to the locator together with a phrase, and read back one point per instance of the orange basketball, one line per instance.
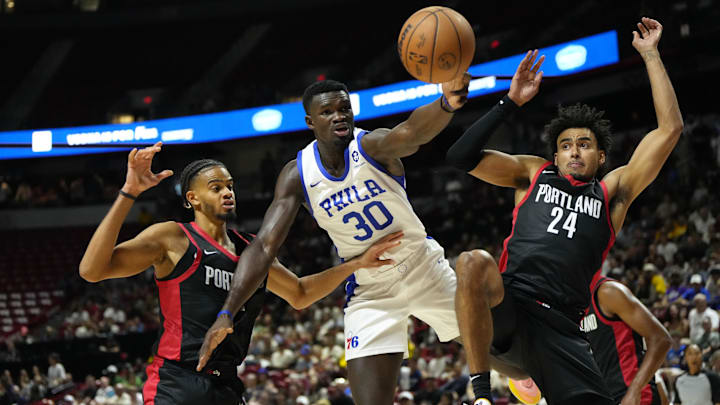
(436, 44)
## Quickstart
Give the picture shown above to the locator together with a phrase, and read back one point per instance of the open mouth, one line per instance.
(228, 205)
(341, 130)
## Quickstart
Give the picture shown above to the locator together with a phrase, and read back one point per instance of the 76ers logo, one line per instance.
(352, 342)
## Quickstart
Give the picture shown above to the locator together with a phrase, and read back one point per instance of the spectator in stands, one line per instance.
(676, 289)
(696, 287)
(676, 353)
(697, 386)
(406, 398)
(56, 371)
(23, 195)
(6, 193)
(693, 247)
(713, 283)
(698, 314)
(666, 248)
(677, 320)
(704, 222)
(709, 340)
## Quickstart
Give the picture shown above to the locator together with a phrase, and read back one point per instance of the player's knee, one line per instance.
(473, 266)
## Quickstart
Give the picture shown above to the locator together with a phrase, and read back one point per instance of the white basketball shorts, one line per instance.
(379, 303)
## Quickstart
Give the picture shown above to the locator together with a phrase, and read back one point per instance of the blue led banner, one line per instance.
(563, 59)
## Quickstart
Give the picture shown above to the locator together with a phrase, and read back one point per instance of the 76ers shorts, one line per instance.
(380, 303)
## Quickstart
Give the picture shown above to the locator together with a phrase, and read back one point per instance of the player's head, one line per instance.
(207, 187)
(579, 140)
(328, 112)
(693, 357)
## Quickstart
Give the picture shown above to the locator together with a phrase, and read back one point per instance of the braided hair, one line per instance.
(190, 171)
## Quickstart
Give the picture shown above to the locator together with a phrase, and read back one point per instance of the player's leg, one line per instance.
(376, 322)
(373, 379)
(479, 288)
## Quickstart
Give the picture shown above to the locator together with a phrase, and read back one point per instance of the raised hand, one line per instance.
(139, 176)
(526, 80)
(371, 257)
(649, 36)
(456, 91)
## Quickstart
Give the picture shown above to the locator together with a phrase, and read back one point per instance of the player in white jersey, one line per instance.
(354, 188)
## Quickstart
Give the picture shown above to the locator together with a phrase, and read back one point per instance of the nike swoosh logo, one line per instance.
(315, 184)
(209, 252)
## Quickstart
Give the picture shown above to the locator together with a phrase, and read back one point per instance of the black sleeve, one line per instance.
(714, 385)
(467, 151)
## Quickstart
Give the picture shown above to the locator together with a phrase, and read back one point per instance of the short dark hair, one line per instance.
(191, 170)
(322, 86)
(579, 116)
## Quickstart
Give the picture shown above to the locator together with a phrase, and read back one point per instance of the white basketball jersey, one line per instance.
(363, 205)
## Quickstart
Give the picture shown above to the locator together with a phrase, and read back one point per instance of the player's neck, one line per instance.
(332, 155)
(217, 229)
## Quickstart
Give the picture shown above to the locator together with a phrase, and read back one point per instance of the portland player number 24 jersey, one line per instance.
(561, 234)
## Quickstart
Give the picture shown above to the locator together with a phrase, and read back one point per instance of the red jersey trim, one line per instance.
(242, 237)
(150, 387)
(611, 242)
(504, 258)
(625, 346)
(575, 182)
(213, 242)
(171, 306)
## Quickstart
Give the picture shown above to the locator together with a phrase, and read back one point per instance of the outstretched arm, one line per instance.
(627, 182)
(102, 259)
(616, 300)
(253, 265)
(302, 292)
(424, 124)
(494, 167)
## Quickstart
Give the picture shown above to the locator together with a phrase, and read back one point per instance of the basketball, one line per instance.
(436, 44)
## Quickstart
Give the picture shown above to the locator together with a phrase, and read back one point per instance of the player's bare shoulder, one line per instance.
(169, 235)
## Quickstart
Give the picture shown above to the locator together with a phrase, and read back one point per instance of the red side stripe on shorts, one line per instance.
(150, 388)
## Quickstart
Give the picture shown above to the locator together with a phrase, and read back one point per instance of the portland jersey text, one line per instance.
(560, 237)
(191, 296)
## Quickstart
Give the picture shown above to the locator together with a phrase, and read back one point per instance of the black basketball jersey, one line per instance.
(560, 236)
(193, 294)
(618, 350)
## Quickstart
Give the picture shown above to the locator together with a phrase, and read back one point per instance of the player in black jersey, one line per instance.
(619, 327)
(194, 265)
(565, 219)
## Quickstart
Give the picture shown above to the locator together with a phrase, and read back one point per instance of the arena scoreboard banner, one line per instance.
(562, 59)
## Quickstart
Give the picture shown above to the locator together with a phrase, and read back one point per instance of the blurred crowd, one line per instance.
(52, 191)
(668, 254)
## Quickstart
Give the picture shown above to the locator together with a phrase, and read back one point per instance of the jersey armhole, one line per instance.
(604, 318)
(186, 257)
(374, 163)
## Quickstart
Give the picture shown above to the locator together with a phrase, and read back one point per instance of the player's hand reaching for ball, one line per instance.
(372, 256)
(222, 327)
(139, 176)
(526, 80)
(649, 36)
(456, 91)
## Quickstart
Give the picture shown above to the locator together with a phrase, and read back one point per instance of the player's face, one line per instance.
(212, 193)
(331, 118)
(578, 154)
